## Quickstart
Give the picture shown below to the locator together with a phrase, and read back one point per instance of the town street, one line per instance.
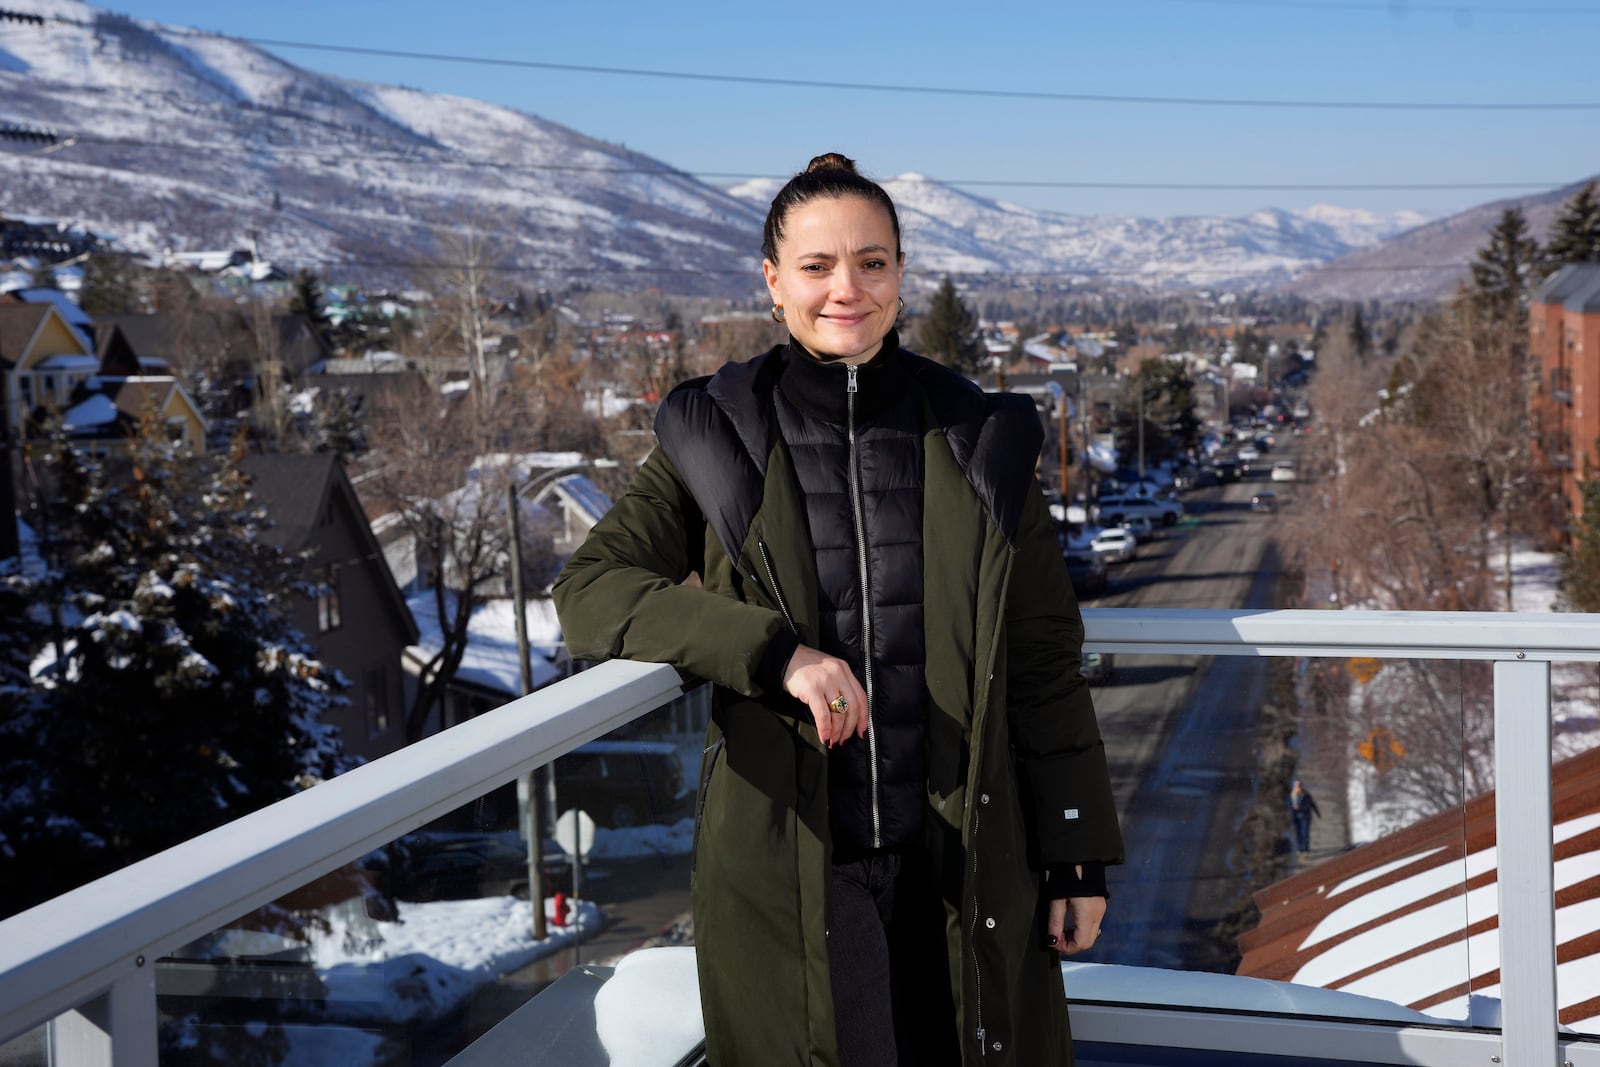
(1180, 734)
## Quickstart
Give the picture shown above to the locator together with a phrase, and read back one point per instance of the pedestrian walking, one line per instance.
(904, 810)
(1302, 806)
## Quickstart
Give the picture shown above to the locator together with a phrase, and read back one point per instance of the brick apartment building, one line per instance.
(1564, 319)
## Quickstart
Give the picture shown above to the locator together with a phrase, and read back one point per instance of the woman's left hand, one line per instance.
(1086, 912)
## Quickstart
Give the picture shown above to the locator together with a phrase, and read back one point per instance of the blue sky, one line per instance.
(1348, 50)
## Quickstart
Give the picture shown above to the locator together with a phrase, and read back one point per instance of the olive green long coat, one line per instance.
(1016, 771)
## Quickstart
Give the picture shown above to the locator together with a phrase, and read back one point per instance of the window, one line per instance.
(377, 701)
(329, 614)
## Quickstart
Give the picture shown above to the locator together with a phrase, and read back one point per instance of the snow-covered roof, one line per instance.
(69, 362)
(491, 657)
(98, 410)
(584, 495)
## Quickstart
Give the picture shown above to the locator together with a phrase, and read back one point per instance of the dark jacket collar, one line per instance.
(819, 390)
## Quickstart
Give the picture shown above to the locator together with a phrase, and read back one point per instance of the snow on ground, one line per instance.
(1574, 692)
(432, 959)
(439, 952)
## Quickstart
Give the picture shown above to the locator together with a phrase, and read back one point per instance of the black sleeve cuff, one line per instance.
(1061, 882)
(769, 675)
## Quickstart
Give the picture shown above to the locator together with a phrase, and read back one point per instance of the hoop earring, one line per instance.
(902, 308)
(777, 313)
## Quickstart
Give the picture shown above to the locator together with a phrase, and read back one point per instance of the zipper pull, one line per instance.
(850, 386)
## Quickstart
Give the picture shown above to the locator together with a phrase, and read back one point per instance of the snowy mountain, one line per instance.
(1428, 262)
(188, 141)
(949, 230)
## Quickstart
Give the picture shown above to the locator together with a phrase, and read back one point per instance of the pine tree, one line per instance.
(1170, 427)
(167, 690)
(310, 300)
(1575, 233)
(949, 332)
(108, 286)
(1580, 561)
(1502, 270)
(1360, 335)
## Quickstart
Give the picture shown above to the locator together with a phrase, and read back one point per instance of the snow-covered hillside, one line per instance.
(188, 141)
(185, 140)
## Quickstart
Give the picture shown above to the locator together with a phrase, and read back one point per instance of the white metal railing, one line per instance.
(85, 959)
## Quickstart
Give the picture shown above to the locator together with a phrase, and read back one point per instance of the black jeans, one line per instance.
(890, 964)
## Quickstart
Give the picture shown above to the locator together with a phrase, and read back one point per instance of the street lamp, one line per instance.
(530, 798)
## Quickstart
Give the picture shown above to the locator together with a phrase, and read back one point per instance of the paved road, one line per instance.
(1180, 735)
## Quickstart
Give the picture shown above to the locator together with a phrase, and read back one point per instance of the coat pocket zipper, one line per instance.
(777, 593)
(710, 754)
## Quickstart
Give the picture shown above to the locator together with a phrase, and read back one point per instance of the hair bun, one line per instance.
(831, 161)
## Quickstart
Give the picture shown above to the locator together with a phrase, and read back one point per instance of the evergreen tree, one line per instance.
(339, 425)
(1502, 270)
(1580, 561)
(1171, 429)
(949, 332)
(309, 300)
(1575, 233)
(167, 691)
(108, 286)
(1360, 335)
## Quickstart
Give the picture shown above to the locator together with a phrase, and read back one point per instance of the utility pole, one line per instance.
(527, 787)
(1139, 385)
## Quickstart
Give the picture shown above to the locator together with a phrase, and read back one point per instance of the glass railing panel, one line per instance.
(1372, 911)
(413, 952)
(28, 1050)
(1575, 804)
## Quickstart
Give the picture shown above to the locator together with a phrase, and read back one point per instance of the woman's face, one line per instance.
(837, 277)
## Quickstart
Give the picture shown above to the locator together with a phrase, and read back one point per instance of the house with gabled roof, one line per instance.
(129, 349)
(107, 413)
(43, 361)
(356, 618)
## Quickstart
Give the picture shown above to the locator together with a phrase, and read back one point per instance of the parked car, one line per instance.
(1115, 545)
(622, 783)
(1283, 471)
(1110, 510)
(1097, 667)
(1140, 527)
(1088, 571)
(462, 866)
(1266, 500)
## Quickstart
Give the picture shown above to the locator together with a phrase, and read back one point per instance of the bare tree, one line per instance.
(452, 505)
(465, 283)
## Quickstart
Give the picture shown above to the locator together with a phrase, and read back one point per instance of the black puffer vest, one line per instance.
(854, 436)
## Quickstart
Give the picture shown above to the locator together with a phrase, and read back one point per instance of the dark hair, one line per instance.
(828, 176)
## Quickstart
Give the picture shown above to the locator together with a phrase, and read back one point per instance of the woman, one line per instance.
(904, 810)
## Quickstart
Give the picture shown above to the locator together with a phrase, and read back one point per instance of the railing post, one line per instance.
(1526, 861)
(115, 1029)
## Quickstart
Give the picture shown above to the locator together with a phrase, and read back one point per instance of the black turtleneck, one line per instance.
(817, 387)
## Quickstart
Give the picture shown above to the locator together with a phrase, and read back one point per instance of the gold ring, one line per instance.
(839, 705)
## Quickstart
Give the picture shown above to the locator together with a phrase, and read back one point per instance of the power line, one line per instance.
(1395, 7)
(879, 87)
(933, 90)
(672, 172)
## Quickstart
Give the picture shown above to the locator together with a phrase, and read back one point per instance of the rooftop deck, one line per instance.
(1468, 938)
